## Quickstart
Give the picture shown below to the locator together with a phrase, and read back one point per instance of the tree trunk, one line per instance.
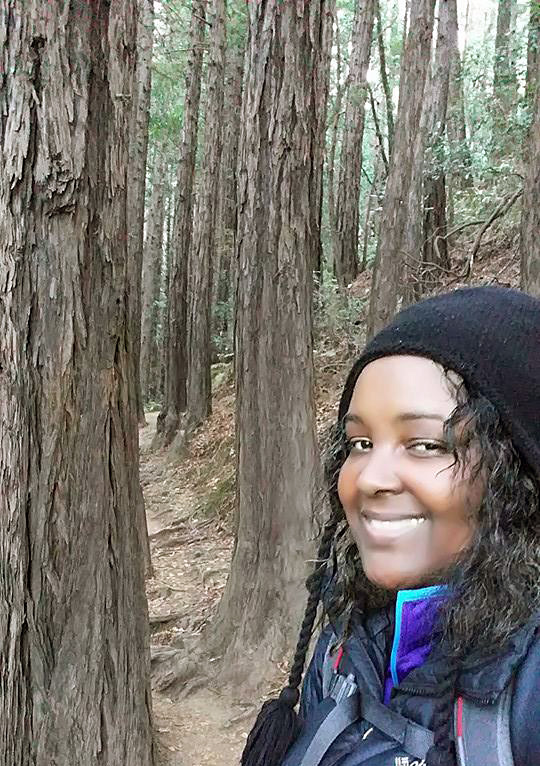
(175, 400)
(533, 45)
(276, 442)
(388, 268)
(384, 79)
(331, 190)
(322, 33)
(348, 193)
(153, 253)
(199, 391)
(505, 83)
(138, 150)
(73, 620)
(456, 126)
(435, 255)
(530, 220)
(164, 318)
(227, 209)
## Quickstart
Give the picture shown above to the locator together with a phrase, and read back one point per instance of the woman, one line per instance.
(430, 561)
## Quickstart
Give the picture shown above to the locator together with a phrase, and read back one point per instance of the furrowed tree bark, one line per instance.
(138, 150)
(202, 254)
(435, 244)
(275, 428)
(348, 194)
(227, 210)
(388, 268)
(73, 615)
(177, 366)
(530, 218)
(533, 51)
(456, 127)
(153, 253)
(331, 160)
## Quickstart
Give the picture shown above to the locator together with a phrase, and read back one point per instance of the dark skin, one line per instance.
(407, 504)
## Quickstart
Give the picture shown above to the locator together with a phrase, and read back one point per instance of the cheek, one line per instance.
(347, 489)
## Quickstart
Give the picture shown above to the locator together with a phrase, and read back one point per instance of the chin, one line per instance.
(394, 581)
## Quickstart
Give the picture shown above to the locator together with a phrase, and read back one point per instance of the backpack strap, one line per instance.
(482, 732)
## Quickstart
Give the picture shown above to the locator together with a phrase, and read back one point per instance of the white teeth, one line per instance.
(395, 525)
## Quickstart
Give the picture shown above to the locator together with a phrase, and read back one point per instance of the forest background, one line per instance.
(206, 208)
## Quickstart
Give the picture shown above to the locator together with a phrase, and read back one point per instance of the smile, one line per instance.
(388, 528)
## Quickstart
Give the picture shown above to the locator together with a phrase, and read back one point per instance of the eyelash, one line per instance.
(438, 447)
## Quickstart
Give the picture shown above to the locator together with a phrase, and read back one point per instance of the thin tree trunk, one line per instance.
(227, 209)
(175, 400)
(276, 442)
(164, 319)
(153, 248)
(456, 125)
(530, 220)
(384, 80)
(332, 153)
(533, 52)
(138, 150)
(505, 84)
(74, 625)
(435, 244)
(322, 32)
(202, 254)
(389, 260)
(348, 193)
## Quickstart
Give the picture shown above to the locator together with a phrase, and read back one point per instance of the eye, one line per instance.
(425, 447)
(359, 444)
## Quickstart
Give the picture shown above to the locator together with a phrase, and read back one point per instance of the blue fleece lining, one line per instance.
(403, 597)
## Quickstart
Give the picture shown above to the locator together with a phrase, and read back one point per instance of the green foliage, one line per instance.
(336, 316)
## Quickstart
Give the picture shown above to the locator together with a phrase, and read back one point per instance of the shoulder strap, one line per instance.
(337, 720)
(482, 732)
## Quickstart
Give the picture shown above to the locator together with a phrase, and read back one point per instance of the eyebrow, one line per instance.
(351, 418)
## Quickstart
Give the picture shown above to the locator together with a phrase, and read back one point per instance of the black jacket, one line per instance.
(482, 678)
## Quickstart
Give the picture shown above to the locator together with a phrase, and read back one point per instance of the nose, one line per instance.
(378, 473)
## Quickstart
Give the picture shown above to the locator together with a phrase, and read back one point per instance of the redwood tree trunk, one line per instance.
(138, 149)
(276, 442)
(388, 268)
(505, 83)
(73, 620)
(348, 194)
(175, 399)
(153, 254)
(530, 221)
(199, 390)
(435, 244)
(456, 125)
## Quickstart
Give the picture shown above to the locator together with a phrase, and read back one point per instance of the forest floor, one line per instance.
(189, 501)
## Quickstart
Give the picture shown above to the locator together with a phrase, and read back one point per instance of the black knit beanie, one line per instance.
(491, 337)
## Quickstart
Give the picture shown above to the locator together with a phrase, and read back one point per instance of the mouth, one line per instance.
(390, 525)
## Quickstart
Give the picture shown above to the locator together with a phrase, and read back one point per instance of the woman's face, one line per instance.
(408, 506)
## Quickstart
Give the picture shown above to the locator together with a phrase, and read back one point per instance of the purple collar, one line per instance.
(416, 613)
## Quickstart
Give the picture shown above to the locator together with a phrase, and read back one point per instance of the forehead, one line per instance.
(395, 384)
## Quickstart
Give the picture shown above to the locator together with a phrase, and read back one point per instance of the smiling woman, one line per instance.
(429, 566)
(408, 505)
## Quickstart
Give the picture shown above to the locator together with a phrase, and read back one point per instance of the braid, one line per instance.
(314, 585)
(277, 725)
(442, 752)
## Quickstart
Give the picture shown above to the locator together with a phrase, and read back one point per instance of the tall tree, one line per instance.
(202, 254)
(153, 254)
(224, 279)
(177, 364)
(138, 149)
(275, 426)
(74, 627)
(533, 50)
(530, 221)
(348, 193)
(456, 125)
(505, 82)
(388, 267)
(435, 245)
